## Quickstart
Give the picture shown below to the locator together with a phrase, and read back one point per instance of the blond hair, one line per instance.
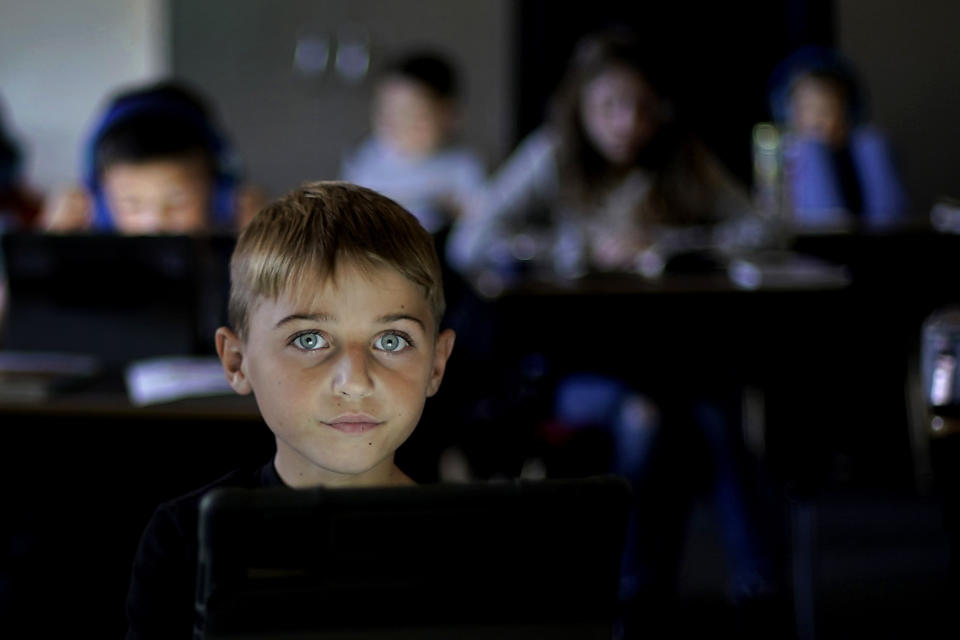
(308, 232)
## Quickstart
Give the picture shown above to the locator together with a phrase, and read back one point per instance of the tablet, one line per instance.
(116, 298)
(503, 560)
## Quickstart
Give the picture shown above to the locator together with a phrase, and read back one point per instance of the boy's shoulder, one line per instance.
(173, 527)
(188, 505)
(160, 598)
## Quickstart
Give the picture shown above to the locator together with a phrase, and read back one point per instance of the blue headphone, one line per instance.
(165, 101)
(813, 59)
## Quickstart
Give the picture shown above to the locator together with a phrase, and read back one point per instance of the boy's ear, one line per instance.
(441, 354)
(230, 350)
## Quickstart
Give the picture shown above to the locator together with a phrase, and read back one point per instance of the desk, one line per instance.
(678, 335)
(831, 360)
(115, 406)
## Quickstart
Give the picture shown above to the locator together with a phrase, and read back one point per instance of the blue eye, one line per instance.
(310, 341)
(391, 342)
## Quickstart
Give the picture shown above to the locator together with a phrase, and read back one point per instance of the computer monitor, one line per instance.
(117, 298)
(506, 560)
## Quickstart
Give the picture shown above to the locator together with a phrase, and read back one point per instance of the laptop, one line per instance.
(116, 298)
(506, 560)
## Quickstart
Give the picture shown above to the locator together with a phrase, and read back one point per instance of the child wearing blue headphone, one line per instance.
(840, 168)
(155, 163)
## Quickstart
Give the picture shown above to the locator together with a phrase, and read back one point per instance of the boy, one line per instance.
(156, 163)
(840, 168)
(409, 156)
(335, 307)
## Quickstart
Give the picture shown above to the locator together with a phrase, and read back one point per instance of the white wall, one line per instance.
(58, 61)
(909, 56)
(289, 127)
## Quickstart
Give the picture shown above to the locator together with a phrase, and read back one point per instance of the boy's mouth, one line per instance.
(354, 423)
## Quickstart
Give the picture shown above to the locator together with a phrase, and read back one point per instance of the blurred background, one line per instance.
(272, 71)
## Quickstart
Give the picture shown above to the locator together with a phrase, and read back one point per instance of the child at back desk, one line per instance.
(156, 162)
(410, 156)
(335, 308)
(613, 182)
(840, 168)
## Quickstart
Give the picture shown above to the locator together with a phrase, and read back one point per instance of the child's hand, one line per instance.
(612, 251)
(70, 210)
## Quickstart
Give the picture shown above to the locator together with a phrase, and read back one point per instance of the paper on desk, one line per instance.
(48, 362)
(27, 376)
(172, 378)
(786, 270)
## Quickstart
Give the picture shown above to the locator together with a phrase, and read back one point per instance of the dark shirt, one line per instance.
(848, 180)
(160, 601)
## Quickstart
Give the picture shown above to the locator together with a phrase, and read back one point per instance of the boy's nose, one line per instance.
(352, 374)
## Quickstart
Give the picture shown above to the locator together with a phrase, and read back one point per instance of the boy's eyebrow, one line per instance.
(314, 317)
(326, 317)
(393, 317)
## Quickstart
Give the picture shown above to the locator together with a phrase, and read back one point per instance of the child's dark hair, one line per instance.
(681, 189)
(162, 121)
(428, 69)
(582, 166)
(156, 123)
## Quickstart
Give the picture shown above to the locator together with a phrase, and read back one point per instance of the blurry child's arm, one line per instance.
(885, 198)
(525, 185)
(615, 250)
(69, 210)
(617, 232)
(739, 225)
(468, 184)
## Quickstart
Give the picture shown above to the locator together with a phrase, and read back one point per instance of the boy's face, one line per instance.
(409, 118)
(163, 196)
(340, 373)
(819, 110)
